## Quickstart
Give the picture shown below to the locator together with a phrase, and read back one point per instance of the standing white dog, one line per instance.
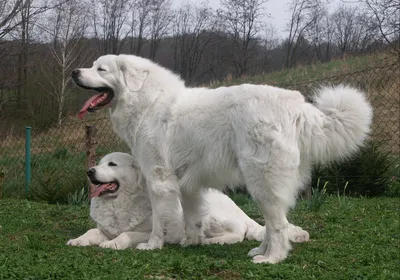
(121, 209)
(185, 139)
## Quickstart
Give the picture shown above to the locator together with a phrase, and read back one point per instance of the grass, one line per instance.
(317, 71)
(361, 243)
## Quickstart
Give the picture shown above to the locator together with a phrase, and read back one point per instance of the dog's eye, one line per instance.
(101, 69)
(112, 163)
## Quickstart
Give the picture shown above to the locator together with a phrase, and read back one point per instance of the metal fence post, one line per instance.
(27, 157)
(90, 152)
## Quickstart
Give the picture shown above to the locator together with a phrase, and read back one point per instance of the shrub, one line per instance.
(57, 175)
(61, 153)
(54, 187)
(318, 197)
(367, 173)
(79, 197)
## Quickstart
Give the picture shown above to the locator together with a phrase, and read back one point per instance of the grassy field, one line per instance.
(360, 243)
(317, 71)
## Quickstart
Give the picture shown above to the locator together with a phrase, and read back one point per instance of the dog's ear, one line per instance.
(134, 78)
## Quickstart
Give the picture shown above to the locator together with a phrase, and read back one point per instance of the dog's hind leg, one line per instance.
(270, 173)
(274, 199)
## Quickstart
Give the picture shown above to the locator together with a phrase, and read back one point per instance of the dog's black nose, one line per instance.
(75, 73)
(91, 172)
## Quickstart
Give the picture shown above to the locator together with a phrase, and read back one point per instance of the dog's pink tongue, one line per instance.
(87, 104)
(98, 190)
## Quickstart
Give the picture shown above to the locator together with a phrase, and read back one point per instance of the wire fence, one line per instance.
(58, 154)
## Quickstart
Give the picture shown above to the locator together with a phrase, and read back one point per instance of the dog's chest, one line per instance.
(115, 216)
(123, 125)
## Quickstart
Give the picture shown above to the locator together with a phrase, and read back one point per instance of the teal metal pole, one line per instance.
(27, 157)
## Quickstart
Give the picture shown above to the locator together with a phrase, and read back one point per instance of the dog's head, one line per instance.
(111, 76)
(114, 173)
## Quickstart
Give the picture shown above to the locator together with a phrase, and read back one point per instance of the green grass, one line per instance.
(361, 243)
(315, 72)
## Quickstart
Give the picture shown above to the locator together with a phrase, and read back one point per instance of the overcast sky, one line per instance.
(277, 11)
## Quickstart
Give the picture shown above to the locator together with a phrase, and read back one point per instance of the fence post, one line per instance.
(27, 157)
(90, 152)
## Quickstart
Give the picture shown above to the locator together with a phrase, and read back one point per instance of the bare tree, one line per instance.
(13, 13)
(386, 14)
(65, 28)
(191, 36)
(160, 21)
(9, 9)
(269, 42)
(242, 21)
(140, 25)
(353, 31)
(28, 13)
(320, 33)
(303, 17)
(109, 19)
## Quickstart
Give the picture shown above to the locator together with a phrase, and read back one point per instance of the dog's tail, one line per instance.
(340, 124)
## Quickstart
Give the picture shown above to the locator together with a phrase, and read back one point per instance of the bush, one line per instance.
(54, 187)
(79, 197)
(367, 173)
(318, 197)
(58, 177)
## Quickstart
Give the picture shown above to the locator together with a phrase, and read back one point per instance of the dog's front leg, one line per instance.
(126, 240)
(92, 237)
(167, 211)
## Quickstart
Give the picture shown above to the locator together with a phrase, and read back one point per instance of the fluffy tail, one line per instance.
(339, 126)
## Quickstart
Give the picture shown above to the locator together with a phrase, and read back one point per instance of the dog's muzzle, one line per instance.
(75, 74)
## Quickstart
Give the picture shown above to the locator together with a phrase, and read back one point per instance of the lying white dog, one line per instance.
(122, 211)
(185, 139)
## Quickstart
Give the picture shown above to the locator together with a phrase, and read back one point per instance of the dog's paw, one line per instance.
(78, 242)
(265, 259)
(111, 244)
(272, 257)
(256, 251)
(299, 235)
(147, 246)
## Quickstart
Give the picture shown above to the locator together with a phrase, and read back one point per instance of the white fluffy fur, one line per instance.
(123, 218)
(185, 139)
